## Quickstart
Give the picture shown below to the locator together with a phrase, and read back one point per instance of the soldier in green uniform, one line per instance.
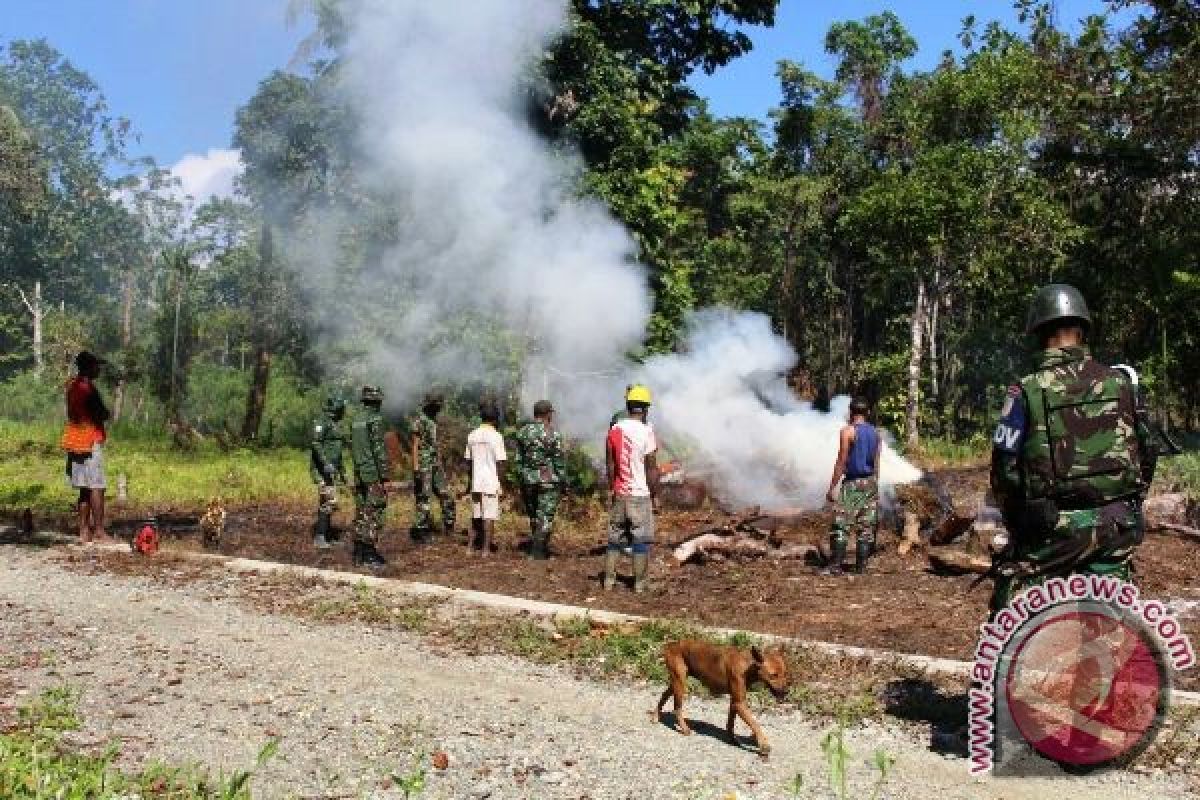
(428, 476)
(1072, 457)
(371, 474)
(328, 441)
(542, 470)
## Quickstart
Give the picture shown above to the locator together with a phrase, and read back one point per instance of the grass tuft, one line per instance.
(37, 764)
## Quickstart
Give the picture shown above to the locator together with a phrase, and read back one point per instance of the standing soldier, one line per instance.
(1072, 457)
(428, 476)
(542, 469)
(371, 473)
(328, 440)
(857, 503)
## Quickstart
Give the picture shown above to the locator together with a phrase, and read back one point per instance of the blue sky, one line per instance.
(179, 69)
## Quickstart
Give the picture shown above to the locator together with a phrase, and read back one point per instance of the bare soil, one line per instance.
(898, 605)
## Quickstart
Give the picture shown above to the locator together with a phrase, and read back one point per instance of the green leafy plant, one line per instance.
(412, 783)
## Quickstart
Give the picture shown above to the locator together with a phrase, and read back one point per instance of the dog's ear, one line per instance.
(756, 654)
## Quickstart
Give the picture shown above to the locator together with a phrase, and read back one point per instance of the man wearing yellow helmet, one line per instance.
(633, 483)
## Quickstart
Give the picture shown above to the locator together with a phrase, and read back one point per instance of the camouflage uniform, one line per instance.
(325, 466)
(429, 478)
(542, 470)
(857, 512)
(371, 471)
(1072, 459)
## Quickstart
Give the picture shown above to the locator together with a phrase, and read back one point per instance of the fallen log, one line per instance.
(953, 561)
(910, 537)
(797, 551)
(951, 528)
(715, 546)
(1170, 508)
(1171, 527)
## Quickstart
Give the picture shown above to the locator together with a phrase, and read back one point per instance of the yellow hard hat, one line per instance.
(638, 394)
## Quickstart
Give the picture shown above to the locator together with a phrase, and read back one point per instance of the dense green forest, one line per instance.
(891, 222)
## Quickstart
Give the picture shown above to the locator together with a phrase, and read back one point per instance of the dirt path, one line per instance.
(179, 673)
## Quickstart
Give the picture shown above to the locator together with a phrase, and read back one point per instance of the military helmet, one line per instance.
(372, 395)
(433, 398)
(542, 407)
(638, 394)
(335, 403)
(1055, 302)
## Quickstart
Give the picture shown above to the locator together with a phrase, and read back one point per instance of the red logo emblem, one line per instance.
(1087, 687)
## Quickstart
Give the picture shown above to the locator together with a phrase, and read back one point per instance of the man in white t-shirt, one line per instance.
(485, 452)
(633, 483)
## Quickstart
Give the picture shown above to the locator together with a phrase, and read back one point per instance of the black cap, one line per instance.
(87, 359)
(542, 407)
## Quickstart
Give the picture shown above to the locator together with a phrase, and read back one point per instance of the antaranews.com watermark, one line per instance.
(1076, 670)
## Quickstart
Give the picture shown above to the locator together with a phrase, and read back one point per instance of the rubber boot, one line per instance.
(537, 548)
(641, 565)
(372, 557)
(862, 554)
(837, 554)
(610, 567)
(321, 532)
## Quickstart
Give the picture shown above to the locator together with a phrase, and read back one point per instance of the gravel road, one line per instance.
(179, 673)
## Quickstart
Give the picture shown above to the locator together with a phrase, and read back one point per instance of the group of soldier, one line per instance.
(540, 469)
(1073, 458)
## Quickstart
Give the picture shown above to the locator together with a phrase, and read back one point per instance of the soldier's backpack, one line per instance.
(1081, 450)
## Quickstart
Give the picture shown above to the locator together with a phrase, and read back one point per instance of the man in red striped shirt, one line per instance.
(633, 482)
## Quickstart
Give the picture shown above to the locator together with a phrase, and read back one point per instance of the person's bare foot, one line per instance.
(100, 537)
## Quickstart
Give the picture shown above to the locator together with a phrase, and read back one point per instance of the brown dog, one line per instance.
(723, 670)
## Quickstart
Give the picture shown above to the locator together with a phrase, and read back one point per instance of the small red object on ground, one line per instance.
(146, 541)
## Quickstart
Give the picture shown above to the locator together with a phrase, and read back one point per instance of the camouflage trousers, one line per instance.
(1091, 541)
(541, 504)
(370, 505)
(426, 483)
(327, 498)
(857, 511)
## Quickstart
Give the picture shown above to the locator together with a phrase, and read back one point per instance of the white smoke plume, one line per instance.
(497, 252)
(724, 405)
(493, 234)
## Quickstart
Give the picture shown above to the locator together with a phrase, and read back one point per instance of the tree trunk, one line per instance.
(126, 341)
(37, 315)
(174, 401)
(257, 399)
(913, 403)
(935, 393)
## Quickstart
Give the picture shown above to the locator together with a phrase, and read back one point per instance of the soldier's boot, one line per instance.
(641, 565)
(420, 535)
(862, 554)
(356, 556)
(837, 554)
(610, 567)
(321, 532)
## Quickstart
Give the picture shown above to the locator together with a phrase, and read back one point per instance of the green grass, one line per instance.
(37, 764)
(635, 651)
(159, 474)
(946, 452)
(1180, 473)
